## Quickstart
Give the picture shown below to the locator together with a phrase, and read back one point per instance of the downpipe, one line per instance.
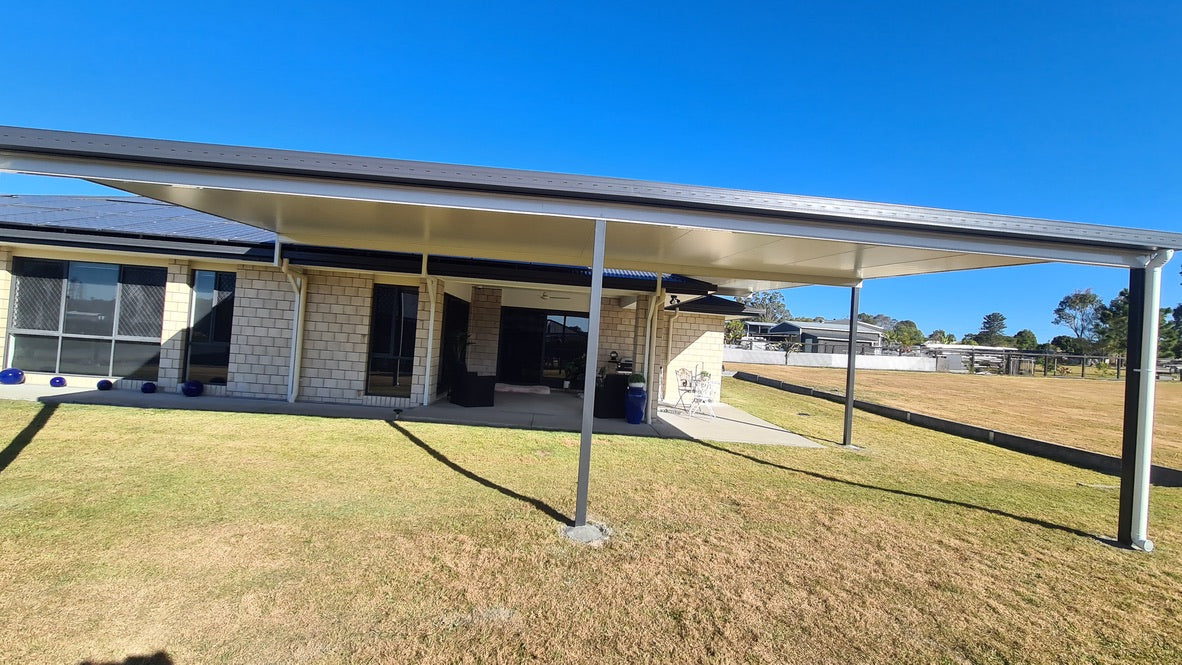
(1147, 386)
(299, 287)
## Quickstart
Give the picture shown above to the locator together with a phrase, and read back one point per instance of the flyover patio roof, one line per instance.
(741, 241)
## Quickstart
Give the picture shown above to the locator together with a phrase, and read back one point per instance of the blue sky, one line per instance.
(1065, 110)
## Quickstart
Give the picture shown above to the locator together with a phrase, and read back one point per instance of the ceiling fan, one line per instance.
(546, 296)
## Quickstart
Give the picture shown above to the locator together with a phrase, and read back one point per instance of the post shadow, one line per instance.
(915, 495)
(537, 504)
(25, 436)
(158, 658)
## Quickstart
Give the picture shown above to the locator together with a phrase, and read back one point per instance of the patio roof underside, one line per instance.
(742, 241)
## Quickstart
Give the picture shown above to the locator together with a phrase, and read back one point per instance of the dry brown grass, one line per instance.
(249, 539)
(1081, 413)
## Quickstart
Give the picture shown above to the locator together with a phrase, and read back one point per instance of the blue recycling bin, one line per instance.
(634, 402)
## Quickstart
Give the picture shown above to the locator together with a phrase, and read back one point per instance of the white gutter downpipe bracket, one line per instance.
(1147, 387)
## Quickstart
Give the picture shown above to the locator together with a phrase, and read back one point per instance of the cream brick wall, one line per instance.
(424, 374)
(336, 334)
(5, 294)
(178, 298)
(259, 350)
(484, 325)
(697, 345)
(622, 330)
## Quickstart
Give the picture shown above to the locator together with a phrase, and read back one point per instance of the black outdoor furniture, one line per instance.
(471, 389)
(610, 396)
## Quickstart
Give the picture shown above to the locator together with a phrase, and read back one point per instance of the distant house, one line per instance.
(829, 336)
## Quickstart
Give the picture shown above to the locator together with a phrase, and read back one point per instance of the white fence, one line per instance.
(798, 359)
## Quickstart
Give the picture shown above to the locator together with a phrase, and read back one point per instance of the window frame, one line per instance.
(59, 333)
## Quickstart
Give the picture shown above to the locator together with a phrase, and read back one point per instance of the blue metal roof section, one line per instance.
(128, 215)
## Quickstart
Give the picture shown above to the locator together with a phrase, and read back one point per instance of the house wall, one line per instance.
(261, 334)
(696, 346)
(484, 327)
(5, 300)
(618, 331)
(336, 334)
(178, 298)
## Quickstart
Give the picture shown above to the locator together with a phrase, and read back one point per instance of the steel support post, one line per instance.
(589, 373)
(1140, 386)
(847, 431)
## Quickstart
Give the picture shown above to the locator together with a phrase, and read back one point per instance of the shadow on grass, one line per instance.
(915, 495)
(538, 504)
(25, 436)
(158, 658)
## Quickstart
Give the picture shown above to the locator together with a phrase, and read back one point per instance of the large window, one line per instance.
(392, 340)
(100, 319)
(210, 329)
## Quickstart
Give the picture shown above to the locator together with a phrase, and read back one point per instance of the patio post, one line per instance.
(1140, 386)
(590, 372)
(847, 431)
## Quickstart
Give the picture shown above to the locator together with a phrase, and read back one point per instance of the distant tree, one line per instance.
(941, 337)
(734, 332)
(1079, 311)
(1113, 328)
(970, 338)
(772, 304)
(905, 334)
(1112, 325)
(992, 327)
(1073, 345)
(1026, 340)
(1169, 336)
(865, 318)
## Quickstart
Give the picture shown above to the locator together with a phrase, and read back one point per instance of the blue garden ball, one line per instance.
(105, 384)
(12, 376)
(58, 382)
(148, 387)
(192, 388)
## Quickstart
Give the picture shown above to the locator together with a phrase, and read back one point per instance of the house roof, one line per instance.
(136, 223)
(824, 328)
(716, 305)
(739, 240)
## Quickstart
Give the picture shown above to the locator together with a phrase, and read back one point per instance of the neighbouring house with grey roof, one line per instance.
(829, 336)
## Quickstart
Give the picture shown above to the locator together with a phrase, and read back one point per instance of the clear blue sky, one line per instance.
(1065, 110)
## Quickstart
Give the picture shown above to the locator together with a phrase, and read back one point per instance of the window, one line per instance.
(74, 317)
(392, 340)
(210, 329)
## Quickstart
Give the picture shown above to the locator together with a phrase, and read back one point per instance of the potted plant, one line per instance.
(574, 371)
(636, 380)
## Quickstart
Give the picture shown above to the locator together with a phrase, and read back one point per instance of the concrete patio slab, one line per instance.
(560, 411)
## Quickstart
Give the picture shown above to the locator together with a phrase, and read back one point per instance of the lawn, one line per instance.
(1072, 411)
(259, 539)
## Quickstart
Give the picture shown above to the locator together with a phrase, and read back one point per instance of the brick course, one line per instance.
(336, 337)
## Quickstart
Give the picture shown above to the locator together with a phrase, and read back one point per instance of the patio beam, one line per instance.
(847, 430)
(589, 373)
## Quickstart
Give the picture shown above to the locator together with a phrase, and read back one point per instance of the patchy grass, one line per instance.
(1084, 414)
(252, 538)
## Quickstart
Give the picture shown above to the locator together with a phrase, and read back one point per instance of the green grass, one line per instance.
(250, 538)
